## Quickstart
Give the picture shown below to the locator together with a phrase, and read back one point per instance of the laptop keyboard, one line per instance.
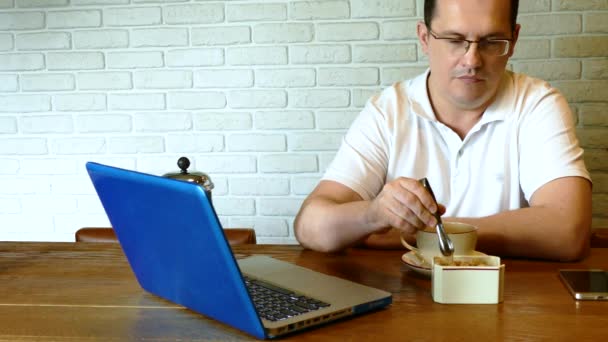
(275, 303)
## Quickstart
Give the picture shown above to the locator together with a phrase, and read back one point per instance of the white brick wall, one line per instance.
(258, 94)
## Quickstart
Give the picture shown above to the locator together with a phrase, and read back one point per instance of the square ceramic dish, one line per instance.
(467, 280)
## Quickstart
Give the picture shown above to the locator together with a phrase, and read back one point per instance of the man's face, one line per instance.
(466, 81)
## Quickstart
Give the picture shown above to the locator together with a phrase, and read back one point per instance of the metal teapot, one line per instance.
(200, 178)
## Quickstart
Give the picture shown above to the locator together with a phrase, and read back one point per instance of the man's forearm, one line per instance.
(324, 225)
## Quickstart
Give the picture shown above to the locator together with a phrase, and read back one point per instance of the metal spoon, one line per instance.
(445, 244)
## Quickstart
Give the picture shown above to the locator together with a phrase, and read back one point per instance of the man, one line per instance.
(498, 148)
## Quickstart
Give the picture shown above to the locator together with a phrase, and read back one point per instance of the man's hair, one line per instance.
(429, 11)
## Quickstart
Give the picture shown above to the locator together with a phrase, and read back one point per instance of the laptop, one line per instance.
(175, 245)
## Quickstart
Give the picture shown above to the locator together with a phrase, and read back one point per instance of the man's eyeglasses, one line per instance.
(488, 47)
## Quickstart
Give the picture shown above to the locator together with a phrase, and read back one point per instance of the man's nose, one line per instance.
(472, 57)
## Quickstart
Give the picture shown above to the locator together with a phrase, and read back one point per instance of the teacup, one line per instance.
(463, 236)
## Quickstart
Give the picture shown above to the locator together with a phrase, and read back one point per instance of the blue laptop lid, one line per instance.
(175, 244)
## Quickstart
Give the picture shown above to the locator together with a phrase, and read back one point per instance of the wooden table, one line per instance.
(86, 292)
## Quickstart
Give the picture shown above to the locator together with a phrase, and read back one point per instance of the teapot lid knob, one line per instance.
(183, 163)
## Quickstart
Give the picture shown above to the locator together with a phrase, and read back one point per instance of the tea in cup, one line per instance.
(463, 236)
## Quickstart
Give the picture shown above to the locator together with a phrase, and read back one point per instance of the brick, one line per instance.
(579, 5)
(228, 163)
(319, 54)
(47, 82)
(528, 48)
(383, 9)
(325, 160)
(384, 53)
(71, 185)
(361, 96)
(256, 143)
(280, 206)
(46, 124)
(134, 60)
(79, 102)
(315, 141)
(335, 119)
(22, 146)
(159, 37)
(223, 78)
(593, 137)
(10, 21)
(108, 80)
(596, 159)
(319, 10)
(284, 120)
(9, 167)
(195, 143)
(590, 46)
(74, 60)
(101, 39)
(21, 62)
(40, 3)
(145, 101)
(34, 205)
(136, 144)
(54, 166)
(259, 186)
(99, 2)
(534, 6)
(596, 23)
(8, 83)
(550, 24)
(8, 125)
(257, 99)
(260, 55)
(319, 98)
(73, 19)
(78, 145)
(333, 32)
(256, 12)
(234, 206)
(194, 57)
(43, 41)
(162, 122)
(6, 41)
(285, 78)
(400, 29)
(583, 91)
(600, 183)
(194, 14)
(593, 114)
(304, 185)
(136, 16)
(25, 103)
(282, 33)
(275, 227)
(10, 206)
(599, 204)
(220, 186)
(6, 4)
(197, 100)
(288, 163)
(392, 75)
(162, 79)
(348, 76)
(595, 69)
(222, 121)
(24, 185)
(103, 123)
(550, 70)
(222, 35)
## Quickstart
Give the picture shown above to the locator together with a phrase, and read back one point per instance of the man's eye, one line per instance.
(491, 42)
(456, 41)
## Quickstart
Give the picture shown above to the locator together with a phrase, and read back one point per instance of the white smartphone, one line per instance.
(586, 284)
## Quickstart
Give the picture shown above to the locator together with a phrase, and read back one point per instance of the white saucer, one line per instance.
(416, 264)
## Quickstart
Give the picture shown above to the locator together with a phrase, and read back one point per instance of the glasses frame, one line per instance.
(469, 42)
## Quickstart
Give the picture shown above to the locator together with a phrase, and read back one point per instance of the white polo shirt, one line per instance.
(525, 139)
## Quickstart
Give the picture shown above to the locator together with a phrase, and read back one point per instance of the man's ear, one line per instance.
(515, 36)
(423, 36)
